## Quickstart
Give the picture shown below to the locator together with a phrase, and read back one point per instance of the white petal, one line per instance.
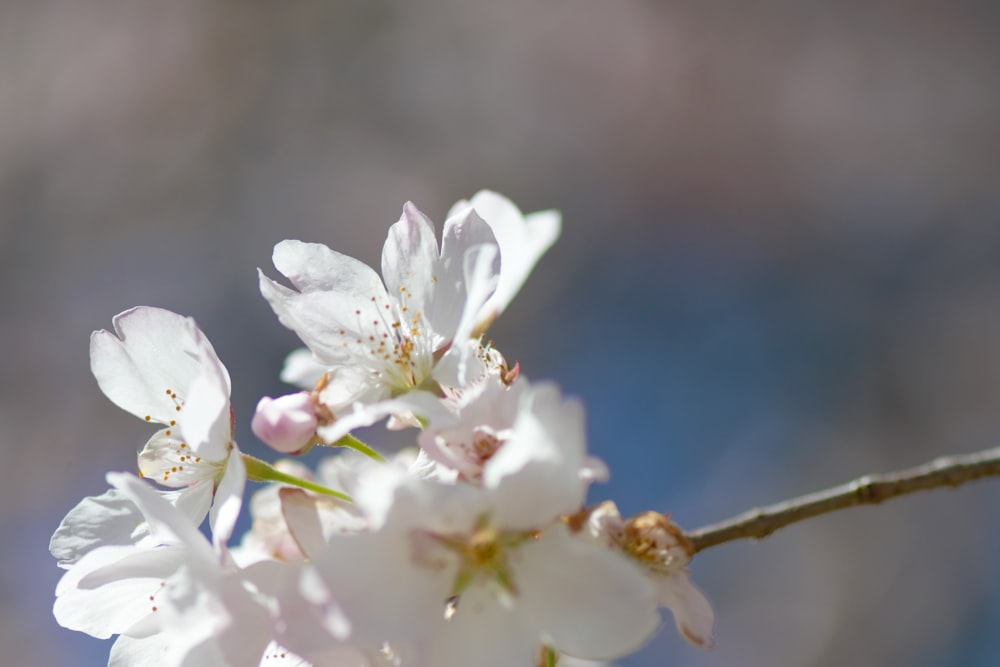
(462, 231)
(134, 652)
(692, 611)
(109, 589)
(422, 403)
(536, 473)
(313, 267)
(522, 240)
(228, 499)
(145, 359)
(383, 593)
(485, 634)
(589, 600)
(480, 283)
(409, 260)
(340, 302)
(109, 519)
(205, 416)
(166, 521)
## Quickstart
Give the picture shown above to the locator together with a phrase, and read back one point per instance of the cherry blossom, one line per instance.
(383, 341)
(160, 367)
(472, 548)
(514, 578)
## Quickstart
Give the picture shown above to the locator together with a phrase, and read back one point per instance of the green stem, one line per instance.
(261, 471)
(351, 442)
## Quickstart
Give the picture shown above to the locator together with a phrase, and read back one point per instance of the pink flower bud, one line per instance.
(286, 423)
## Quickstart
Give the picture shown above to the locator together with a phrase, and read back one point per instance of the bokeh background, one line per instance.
(780, 266)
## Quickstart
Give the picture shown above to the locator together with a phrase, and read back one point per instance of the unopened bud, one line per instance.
(287, 424)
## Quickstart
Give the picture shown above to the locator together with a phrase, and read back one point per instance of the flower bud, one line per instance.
(287, 424)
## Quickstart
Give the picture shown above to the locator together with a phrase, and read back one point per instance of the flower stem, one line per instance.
(351, 442)
(261, 471)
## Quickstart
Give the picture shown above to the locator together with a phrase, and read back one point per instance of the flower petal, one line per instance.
(205, 416)
(590, 601)
(462, 231)
(410, 261)
(340, 304)
(536, 473)
(228, 499)
(692, 611)
(522, 240)
(110, 519)
(144, 360)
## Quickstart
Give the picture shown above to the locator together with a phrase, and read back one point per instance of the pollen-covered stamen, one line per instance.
(168, 460)
(656, 541)
(393, 341)
(178, 402)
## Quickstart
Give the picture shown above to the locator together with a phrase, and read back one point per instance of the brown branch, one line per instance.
(868, 490)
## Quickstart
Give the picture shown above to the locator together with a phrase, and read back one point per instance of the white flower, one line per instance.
(159, 366)
(659, 545)
(380, 343)
(459, 575)
(171, 595)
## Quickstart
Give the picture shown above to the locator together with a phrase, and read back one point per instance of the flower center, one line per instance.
(483, 555)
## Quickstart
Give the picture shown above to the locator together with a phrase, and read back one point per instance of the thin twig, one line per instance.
(867, 490)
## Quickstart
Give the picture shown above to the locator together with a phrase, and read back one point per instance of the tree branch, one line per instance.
(868, 490)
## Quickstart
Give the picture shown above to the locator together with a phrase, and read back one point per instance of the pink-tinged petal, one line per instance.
(589, 601)
(109, 519)
(462, 231)
(302, 518)
(522, 240)
(466, 441)
(536, 473)
(485, 634)
(409, 261)
(692, 611)
(228, 499)
(144, 360)
(313, 520)
(286, 424)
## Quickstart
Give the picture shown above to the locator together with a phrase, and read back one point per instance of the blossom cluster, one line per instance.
(473, 548)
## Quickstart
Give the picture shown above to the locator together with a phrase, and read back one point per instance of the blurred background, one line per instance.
(780, 266)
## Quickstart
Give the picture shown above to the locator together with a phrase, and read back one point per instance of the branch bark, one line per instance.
(868, 490)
